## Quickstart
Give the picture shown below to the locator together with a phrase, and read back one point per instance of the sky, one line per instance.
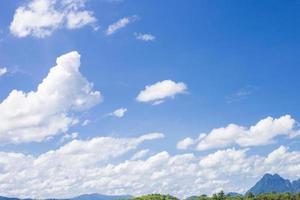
(136, 97)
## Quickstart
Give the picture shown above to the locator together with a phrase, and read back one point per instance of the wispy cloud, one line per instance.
(140, 154)
(241, 94)
(85, 122)
(121, 23)
(144, 37)
(3, 71)
(68, 137)
(118, 113)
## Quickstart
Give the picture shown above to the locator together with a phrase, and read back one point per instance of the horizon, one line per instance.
(226, 193)
(231, 193)
(139, 97)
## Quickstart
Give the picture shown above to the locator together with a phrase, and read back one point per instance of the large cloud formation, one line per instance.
(103, 165)
(40, 114)
(40, 18)
(262, 133)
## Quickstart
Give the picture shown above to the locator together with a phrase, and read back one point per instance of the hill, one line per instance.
(96, 196)
(274, 183)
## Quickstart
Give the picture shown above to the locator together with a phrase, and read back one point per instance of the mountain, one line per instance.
(100, 197)
(7, 198)
(274, 183)
(296, 185)
(233, 194)
(83, 197)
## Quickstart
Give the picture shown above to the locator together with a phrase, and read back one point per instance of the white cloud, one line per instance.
(158, 92)
(119, 112)
(152, 136)
(242, 94)
(100, 164)
(79, 19)
(88, 152)
(262, 133)
(74, 168)
(276, 155)
(85, 122)
(144, 37)
(3, 71)
(185, 143)
(51, 109)
(67, 137)
(140, 154)
(121, 23)
(40, 18)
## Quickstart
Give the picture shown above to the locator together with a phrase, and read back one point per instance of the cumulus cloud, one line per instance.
(74, 168)
(144, 37)
(40, 18)
(3, 71)
(121, 23)
(262, 133)
(185, 143)
(119, 112)
(158, 92)
(50, 110)
(100, 164)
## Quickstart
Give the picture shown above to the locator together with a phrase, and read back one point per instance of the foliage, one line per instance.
(249, 196)
(156, 197)
(222, 196)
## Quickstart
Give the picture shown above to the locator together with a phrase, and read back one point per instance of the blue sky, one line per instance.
(238, 62)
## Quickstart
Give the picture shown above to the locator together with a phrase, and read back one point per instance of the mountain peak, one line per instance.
(273, 176)
(274, 183)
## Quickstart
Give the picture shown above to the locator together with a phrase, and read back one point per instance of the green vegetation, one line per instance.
(222, 196)
(156, 197)
(268, 196)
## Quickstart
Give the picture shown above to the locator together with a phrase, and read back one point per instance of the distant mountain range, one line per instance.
(100, 197)
(94, 196)
(267, 184)
(234, 194)
(7, 198)
(275, 183)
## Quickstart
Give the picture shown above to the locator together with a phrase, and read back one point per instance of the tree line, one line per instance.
(222, 196)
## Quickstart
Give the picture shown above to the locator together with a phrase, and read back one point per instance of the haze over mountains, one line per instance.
(93, 196)
(96, 196)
